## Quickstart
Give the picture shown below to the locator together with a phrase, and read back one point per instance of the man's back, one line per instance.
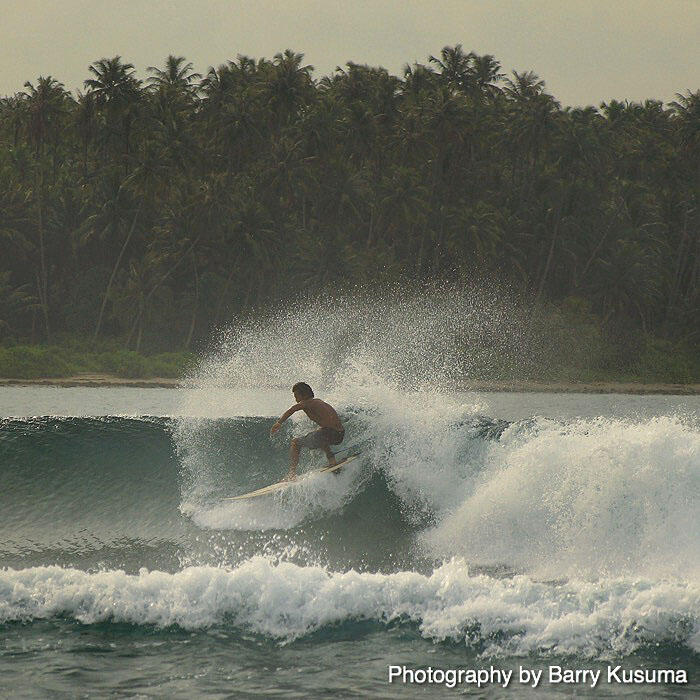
(330, 433)
(321, 413)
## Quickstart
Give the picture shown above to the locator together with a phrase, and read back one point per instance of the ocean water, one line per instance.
(487, 532)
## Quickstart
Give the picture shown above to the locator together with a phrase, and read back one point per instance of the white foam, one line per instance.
(594, 496)
(311, 496)
(517, 616)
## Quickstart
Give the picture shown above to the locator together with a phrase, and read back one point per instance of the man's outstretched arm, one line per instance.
(283, 417)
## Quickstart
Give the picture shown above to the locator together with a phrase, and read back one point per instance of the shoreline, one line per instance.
(522, 386)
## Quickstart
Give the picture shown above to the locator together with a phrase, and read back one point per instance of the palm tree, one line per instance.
(131, 296)
(114, 81)
(402, 208)
(176, 75)
(221, 82)
(485, 73)
(13, 115)
(446, 118)
(476, 238)
(287, 85)
(686, 111)
(524, 86)
(85, 118)
(151, 177)
(46, 105)
(107, 223)
(14, 301)
(117, 92)
(226, 93)
(455, 68)
(417, 79)
(532, 115)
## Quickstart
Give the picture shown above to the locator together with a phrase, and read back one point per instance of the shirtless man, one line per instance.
(330, 433)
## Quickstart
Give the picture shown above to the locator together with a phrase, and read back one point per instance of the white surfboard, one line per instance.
(284, 484)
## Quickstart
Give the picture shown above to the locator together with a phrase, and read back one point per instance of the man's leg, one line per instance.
(294, 450)
(330, 455)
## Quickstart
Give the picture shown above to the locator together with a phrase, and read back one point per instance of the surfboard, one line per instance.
(280, 485)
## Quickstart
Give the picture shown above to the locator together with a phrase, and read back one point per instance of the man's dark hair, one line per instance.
(304, 389)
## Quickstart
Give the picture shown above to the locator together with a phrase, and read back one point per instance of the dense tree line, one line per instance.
(154, 211)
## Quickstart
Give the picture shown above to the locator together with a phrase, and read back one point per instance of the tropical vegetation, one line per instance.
(147, 213)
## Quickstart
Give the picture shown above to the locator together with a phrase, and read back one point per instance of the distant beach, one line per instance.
(558, 387)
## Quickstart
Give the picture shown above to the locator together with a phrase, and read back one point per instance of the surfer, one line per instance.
(330, 433)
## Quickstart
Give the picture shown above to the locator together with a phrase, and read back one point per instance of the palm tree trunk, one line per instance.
(32, 337)
(42, 304)
(196, 302)
(419, 257)
(223, 294)
(248, 292)
(140, 335)
(550, 255)
(590, 260)
(53, 163)
(677, 273)
(437, 249)
(42, 281)
(371, 231)
(85, 158)
(159, 282)
(114, 272)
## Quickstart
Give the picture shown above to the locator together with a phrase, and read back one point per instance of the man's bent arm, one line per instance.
(284, 416)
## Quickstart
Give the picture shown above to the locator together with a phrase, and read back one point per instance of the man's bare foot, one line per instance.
(332, 462)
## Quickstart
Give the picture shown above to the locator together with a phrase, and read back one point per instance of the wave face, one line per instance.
(534, 536)
(574, 535)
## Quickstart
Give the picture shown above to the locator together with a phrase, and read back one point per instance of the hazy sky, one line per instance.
(587, 51)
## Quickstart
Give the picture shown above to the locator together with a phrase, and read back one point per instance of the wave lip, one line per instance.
(514, 617)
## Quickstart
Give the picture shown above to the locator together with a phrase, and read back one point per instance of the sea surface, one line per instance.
(475, 531)
(487, 533)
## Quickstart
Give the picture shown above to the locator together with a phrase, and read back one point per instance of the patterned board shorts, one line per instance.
(321, 438)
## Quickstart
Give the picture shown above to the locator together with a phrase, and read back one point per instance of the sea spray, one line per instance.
(367, 353)
(428, 337)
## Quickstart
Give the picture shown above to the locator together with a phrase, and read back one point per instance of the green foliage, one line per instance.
(572, 350)
(132, 365)
(123, 363)
(33, 362)
(663, 361)
(72, 358)
(148, 214)
(170, 364)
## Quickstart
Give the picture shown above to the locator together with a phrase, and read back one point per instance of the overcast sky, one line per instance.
(587, 51)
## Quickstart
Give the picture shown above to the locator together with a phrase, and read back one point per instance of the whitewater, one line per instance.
(475, 529)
